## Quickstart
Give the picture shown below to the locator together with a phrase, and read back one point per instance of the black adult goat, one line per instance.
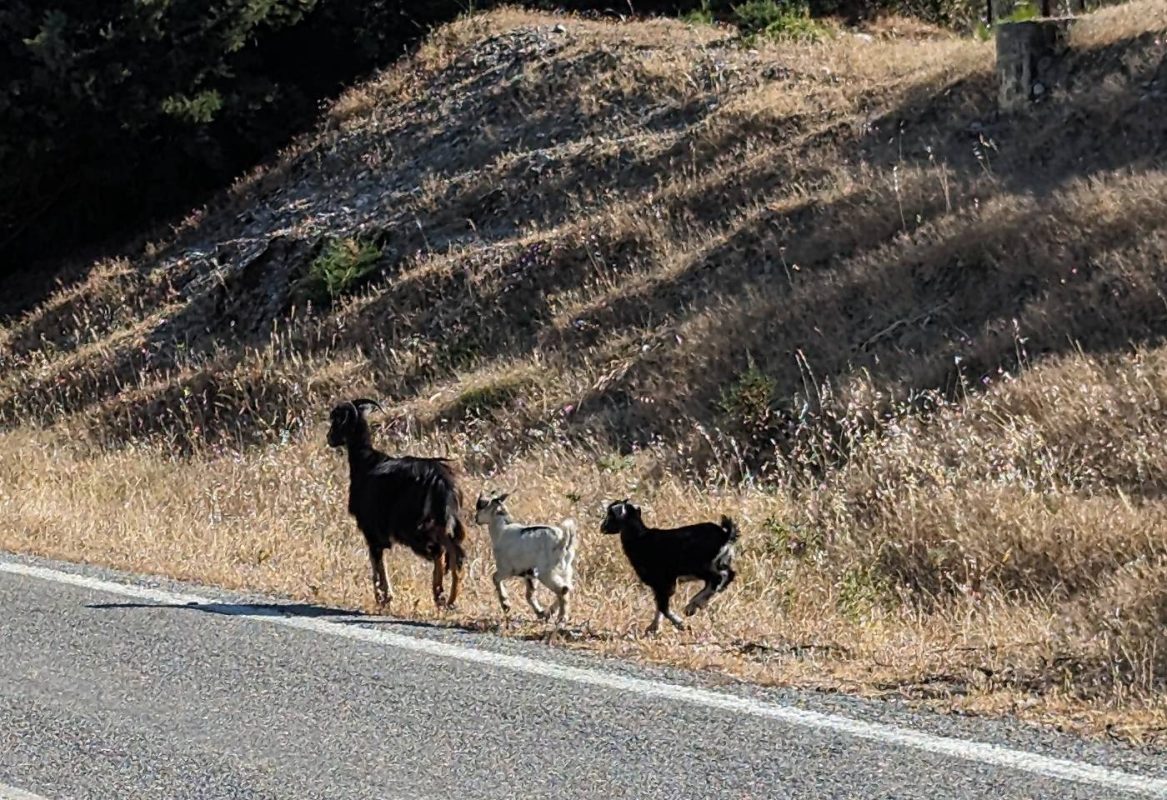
(406, 500)
(661, 557)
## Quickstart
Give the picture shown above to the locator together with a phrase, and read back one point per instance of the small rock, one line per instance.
(1038, 89)
(559, 29)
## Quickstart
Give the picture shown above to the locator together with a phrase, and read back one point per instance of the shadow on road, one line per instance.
(307, 610)
(353, 617)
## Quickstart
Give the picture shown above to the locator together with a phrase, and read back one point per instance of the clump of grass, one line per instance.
(478, 401)
(341, 266)
(777, 19)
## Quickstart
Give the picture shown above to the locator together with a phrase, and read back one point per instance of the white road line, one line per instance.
(12, 793)
(950, 747)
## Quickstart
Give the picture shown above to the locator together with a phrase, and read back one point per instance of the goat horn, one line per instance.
(362, 403)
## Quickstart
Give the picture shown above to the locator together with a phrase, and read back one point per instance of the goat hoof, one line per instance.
(690, 610)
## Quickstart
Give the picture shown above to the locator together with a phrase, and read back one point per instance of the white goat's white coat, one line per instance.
(533, 552)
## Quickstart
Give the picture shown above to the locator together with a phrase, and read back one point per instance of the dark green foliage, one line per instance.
(776, 19)
(115, 111)
(342, 266)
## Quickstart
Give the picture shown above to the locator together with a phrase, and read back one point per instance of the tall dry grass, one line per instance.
(914, 347)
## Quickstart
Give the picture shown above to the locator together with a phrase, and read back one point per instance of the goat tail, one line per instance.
(569, 528)
(457, 551)
(730, 528)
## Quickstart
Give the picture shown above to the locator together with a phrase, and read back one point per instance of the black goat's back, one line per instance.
(656, 553)
(409, 500)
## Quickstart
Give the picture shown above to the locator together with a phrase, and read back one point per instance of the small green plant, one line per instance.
(750, 400)
(776, 19)
(1021, 12)
(341, 265)
(795, 540)
(862, 589)
(613, 462)
(700, 16)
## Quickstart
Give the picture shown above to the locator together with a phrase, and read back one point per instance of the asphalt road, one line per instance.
(118, 687)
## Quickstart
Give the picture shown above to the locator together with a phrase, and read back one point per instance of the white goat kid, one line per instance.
(542, 552)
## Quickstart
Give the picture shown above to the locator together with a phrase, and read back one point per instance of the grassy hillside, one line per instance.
(913, 345)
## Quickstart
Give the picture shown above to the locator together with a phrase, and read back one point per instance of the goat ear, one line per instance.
(363, 404)
(502, 497)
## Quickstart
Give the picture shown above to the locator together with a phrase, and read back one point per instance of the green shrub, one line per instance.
(776, 19)
(1022, 12)
(341, 266)
(702, 15)
(749, 401)
(614, 462)
(863, 589)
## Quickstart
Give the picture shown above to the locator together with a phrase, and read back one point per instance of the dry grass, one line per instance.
(915, 348)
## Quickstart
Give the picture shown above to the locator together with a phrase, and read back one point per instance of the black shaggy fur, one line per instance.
(661, 557)
(405, 500)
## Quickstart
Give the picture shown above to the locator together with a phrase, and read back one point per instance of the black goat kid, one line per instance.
(406, 500)
(661, 557)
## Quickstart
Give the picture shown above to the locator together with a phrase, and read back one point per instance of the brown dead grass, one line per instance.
(916, 349)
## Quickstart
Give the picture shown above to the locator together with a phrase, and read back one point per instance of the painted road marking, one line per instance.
(12, 793)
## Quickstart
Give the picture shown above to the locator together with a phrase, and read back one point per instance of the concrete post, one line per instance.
(1028, 59)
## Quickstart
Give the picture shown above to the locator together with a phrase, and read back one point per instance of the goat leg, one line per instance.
(452, 544)
(562, 591)
(455, 582)
(382, 592)
(502, 593)
(713, 584)
(726, 578)
(540, 612)
(559, 583)
(439, 568)
(663, 596)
